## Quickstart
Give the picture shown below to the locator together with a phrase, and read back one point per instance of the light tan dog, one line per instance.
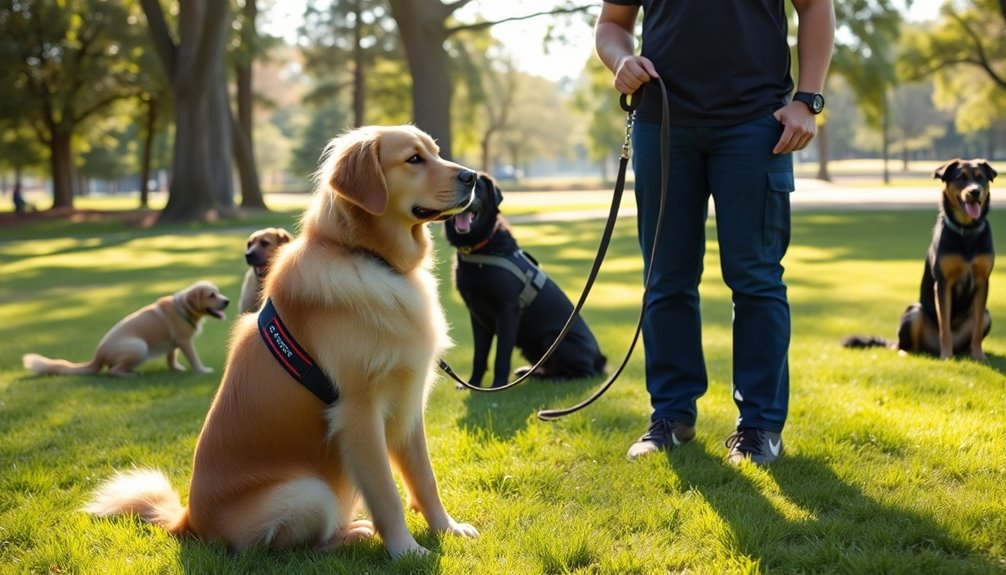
(161, 328)
(262, 244)
(277, 466)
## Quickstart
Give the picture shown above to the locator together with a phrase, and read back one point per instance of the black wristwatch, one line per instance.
(815, 102)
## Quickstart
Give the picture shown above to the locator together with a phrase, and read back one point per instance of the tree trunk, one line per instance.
(823, 153)
(61, 160)
(424, 31)
(244, 157)
(358, 64)
(148, 151)
(201, 184)
(242, 130)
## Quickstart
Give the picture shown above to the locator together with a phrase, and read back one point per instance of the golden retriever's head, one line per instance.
(966, 193)
(261, 245)
(396, 171)
(202, 298)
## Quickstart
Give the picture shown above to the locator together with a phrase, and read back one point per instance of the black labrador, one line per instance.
(510, 297)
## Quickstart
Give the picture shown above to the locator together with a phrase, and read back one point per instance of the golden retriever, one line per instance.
(161, 328)
(274, 464)
(262, 244)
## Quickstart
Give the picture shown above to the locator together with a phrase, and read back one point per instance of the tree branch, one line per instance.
(161, 36)
(983, 61)
(490, 23)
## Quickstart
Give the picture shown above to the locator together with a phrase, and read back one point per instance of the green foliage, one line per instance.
(965, 55)
(892, 466)
(865, 40)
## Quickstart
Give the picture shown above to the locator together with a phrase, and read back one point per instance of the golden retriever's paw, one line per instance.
(462, 529)
(407, 548)
(204, 369)
(352, 532)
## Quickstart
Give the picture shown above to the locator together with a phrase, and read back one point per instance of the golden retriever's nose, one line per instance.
(467, 177)
(226, 302)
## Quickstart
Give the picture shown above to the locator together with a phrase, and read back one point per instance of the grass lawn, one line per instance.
(893, 464)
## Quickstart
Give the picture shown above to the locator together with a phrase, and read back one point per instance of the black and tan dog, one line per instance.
(951, 315)
(262, 244)
(509, 296)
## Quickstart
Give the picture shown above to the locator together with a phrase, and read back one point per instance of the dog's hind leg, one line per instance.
(299, 512)
(124, 355)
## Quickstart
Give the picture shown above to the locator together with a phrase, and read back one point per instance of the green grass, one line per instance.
(893, 465)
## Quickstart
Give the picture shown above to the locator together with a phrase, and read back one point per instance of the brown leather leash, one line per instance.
(629, 105)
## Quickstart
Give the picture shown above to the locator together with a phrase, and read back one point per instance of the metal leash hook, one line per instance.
(629, 103)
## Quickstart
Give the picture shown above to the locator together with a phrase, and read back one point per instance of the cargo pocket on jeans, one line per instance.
(777, 211)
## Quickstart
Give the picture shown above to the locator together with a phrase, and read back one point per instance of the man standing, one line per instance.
(733, 127)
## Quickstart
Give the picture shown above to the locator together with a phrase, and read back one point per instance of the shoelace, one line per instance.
(659, 429)
(746, 439)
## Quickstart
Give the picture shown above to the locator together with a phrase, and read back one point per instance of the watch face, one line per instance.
(817, 103)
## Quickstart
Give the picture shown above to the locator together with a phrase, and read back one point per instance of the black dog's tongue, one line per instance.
(974, 209)
(463, 222)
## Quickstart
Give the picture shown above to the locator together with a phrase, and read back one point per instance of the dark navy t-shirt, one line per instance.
(723, 61)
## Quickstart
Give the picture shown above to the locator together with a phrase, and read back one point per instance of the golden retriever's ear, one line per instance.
(283, 236)
(356, 172)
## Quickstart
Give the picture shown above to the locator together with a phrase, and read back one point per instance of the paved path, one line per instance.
(810, 195)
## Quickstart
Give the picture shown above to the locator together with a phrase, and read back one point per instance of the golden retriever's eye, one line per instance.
(415, 159)
(265, 243)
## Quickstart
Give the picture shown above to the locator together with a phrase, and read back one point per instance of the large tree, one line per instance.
(201, 184)
(67, 61)
(249, 45)
(425, 27)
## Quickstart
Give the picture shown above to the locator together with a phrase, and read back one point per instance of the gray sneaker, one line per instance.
(759, 446)
(662, 435)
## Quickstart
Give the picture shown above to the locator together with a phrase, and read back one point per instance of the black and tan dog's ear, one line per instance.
(990, 173)
(491, 184)
(353, 170)
(948, 171)
(283, 236)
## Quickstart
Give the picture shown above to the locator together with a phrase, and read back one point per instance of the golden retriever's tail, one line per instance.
(145, 493)
(43, 365)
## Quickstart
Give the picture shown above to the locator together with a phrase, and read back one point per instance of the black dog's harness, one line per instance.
(294, 359)
(519, 264)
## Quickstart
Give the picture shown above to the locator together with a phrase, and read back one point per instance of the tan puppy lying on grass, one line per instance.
(161, 328)
(324, 390)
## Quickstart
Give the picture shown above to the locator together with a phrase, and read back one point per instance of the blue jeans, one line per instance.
(750, 187)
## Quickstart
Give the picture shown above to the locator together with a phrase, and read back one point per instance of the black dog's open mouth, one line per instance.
(463, 221)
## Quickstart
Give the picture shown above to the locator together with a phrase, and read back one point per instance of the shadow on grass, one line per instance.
(198, 557)
(835, 523)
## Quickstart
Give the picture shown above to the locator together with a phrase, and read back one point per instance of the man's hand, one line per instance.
(632, 72)
(799, 127)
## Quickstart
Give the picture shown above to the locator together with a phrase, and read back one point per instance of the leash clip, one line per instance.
(630, 118)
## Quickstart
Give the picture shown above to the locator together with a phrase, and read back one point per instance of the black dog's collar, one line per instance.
(478, 246)
(294, 359)
(961, 230)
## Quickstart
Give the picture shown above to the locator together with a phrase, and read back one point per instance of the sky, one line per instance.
(524, 39)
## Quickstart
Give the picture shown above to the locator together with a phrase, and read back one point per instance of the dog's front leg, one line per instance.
(412, 457)
(944, 293)
(365, 452)
(482, 338)
(173, 364)
(982, 270)
(507, 324)
(189, 349)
